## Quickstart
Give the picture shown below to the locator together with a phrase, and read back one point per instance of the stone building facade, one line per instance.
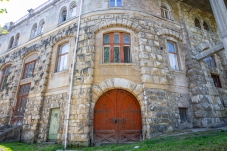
(175, 68)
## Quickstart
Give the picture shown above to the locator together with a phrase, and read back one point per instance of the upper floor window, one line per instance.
(16, 40)
(116, 48)
(63, 15)
(4, 79)
(210, 61)
(116, 3)
(41, 25)
(29, 69)
(165, 11)
(63, 57)
(173, 56)
(34, 30)
(205, 26)
(11, 42)
(72, 10)
(197, 23)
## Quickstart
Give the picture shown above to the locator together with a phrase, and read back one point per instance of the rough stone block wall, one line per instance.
(49, 103)
(161, 92)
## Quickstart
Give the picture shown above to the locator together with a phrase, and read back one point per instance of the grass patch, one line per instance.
(29, 147)
(201, 141)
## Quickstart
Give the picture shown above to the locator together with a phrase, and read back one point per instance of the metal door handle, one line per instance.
(122, 120)
(113, 120)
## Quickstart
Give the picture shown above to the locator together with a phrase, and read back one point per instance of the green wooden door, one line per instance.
(54, 124)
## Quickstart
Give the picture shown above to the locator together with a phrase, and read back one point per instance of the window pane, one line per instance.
(216, 81)
(116, 54)
(207, 61)
(63, 49)
(127, 54)
(112, 3)
(30, 69)
(171, 47)
(173, 61)
(106, 54)
(62, 63)
(4, 82)
(116, 38)
(106, 39)
(212, 63)
(126, 39)
(25, 72)
(119, 2)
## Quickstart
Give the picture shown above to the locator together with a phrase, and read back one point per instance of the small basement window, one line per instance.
(216, 80)
(183, 114)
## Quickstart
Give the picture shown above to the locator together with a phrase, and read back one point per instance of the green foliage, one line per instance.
(3, 10)
(3, 31)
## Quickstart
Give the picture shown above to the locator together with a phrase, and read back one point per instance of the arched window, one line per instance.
(34, 30)
(63, 15)
(11, 42)
(17, 39)
(205, 26)
(197, 23)
(116, 47)
(4, 78)
(165, 11)
(63, 57)
(29, 66)
(41, 25)
(72, 10)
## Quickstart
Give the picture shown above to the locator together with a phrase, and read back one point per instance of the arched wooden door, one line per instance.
(117, 118)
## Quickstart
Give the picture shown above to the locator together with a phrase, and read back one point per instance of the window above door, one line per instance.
(116, 47)
(116, 3)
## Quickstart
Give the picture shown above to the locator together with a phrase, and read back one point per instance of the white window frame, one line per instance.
(177, 54)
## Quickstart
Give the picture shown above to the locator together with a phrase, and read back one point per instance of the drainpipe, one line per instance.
(71, 78)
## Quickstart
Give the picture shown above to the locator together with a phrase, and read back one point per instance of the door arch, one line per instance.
(117, 118)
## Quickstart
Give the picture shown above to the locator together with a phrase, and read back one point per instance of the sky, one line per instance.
(17, 9)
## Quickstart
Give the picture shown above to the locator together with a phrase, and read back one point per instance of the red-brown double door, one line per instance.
(117, 118)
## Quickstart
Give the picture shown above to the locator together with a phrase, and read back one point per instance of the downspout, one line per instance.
(71, 78)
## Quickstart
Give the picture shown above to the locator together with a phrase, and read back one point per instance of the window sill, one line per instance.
(177, 71)
(117, 64)
(35, 36)
(59, 73)
(24, 81)
(67, 20)
(12, 48)
(168, 19)
(116, 7)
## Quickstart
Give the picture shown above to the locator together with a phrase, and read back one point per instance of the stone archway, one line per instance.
(117, 118)
(119, 83)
